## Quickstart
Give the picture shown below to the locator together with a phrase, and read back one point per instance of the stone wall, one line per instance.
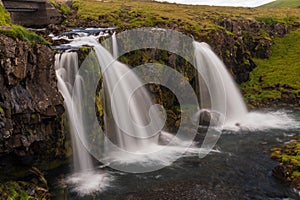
(32, 13)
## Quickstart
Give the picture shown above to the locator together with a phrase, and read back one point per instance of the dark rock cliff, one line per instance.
(241, 40)
(30, 105)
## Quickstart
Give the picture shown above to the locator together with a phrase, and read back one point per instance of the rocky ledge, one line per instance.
(31, 107)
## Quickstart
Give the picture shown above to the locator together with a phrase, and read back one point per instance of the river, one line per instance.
(240, 168)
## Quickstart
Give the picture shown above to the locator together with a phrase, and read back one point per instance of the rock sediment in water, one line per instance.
(30, 104)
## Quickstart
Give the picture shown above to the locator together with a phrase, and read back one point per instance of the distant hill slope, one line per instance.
(283, 4)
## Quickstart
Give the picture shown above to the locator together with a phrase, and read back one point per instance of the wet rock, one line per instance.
(31, 107)
(205, 118)
(6, 134)
(288, 169)
(209, 118)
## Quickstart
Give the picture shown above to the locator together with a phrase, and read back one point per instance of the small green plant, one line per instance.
(65, 9)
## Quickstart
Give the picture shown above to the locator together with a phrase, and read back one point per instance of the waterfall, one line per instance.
(86, 179)
(115, 46)
(130, 113)
(217, 88)
(66, 71)
(131, 120)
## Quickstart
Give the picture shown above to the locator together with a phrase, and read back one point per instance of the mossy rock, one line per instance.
(22, 190)
(289, 162)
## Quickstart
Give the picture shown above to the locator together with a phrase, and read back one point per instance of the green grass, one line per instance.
(278, 74)
(4, 17)
(22, 33)
(283, 3)
(128, 14)
(16, 31)
(60, 5)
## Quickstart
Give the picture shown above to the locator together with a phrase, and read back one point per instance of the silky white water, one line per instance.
(66, 71)
(217, 88)
(85, 180)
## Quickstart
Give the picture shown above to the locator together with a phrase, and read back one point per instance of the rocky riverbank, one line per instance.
(288, 157)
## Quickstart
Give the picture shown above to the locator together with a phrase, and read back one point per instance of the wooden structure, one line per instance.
(32, 13)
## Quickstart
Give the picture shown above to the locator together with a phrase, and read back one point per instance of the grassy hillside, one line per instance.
(283, 4)
(278, 75)
(136, 13)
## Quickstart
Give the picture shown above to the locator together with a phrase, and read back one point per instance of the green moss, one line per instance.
(85, 50)
(296, 174)
(1, 110)
(66, 10)
(289, 158)
(4, 17)
(277, 75)
(21, 33)
(267, 20)
(16, 31)
(13, 190)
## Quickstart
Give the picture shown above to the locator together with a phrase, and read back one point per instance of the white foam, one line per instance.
(264, 121)
(149, 156)
(85, 183)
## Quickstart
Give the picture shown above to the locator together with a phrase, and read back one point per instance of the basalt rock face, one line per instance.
(242, 40)
(30, 105)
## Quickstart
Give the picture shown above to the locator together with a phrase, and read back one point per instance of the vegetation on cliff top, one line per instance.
(16, 31)
(148, 13)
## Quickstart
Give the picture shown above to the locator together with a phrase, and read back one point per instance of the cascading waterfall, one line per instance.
(85, 180)
(131, 121)
(217, 87)
(66, 71)
(127, 119)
